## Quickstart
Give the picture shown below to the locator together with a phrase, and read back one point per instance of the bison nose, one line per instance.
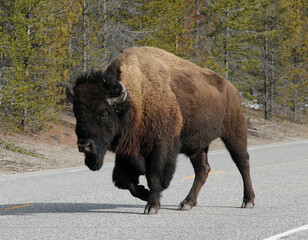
(85, 146)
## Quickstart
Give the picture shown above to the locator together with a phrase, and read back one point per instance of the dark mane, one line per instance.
(90, 77)
(107, 80)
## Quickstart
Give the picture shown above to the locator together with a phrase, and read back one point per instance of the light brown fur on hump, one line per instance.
(157, 112)
(172, 97)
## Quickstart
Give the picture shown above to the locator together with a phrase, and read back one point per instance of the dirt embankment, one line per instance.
(57, 147)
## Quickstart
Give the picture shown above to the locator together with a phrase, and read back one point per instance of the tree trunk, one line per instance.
(70, 59)
(1, 80)
(295, 92)
(84, 10)
(266, 80)
(197, 24)
(227, 52)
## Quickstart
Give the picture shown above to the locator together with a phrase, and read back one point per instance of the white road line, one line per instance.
(288, 233)
(76, 170)
(42, 173)
(256, 147)
(265, 146)
(51, 172)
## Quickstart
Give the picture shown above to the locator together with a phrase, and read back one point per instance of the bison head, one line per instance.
(100, 104)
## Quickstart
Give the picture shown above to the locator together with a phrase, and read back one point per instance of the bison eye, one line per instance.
(104, 115)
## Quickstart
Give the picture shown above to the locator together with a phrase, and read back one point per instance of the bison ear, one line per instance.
(118, 99)
(69, 95)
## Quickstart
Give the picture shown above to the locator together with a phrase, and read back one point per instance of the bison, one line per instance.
(147, 107)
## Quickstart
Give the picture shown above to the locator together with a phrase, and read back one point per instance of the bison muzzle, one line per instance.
(147, 107)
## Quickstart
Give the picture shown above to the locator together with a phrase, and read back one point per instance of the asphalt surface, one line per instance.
(77, 203)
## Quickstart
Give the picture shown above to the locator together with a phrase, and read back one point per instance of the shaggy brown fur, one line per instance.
(173, 106)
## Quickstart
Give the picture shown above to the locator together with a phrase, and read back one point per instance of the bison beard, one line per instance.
(148, 106)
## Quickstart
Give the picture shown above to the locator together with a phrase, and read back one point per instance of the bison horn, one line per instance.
(119, 99)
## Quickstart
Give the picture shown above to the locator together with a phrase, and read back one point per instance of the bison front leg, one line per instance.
(126, 176)
(153, 205)
(154, 182)
(159, 172)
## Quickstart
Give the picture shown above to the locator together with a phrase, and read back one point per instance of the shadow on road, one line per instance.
(36, 208)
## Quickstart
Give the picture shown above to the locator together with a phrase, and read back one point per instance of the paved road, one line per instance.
(80, 204)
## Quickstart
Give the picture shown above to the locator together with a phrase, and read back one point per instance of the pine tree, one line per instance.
(161, 24)
(34, 47)
(293, 84)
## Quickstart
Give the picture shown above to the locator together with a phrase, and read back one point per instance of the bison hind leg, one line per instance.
(202, 169)
(238, 151)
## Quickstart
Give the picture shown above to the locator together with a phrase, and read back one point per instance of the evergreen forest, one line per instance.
(258, 45)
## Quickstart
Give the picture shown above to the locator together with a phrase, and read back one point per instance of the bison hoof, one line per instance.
(247, 204)
(185, 206)
(151, 209)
